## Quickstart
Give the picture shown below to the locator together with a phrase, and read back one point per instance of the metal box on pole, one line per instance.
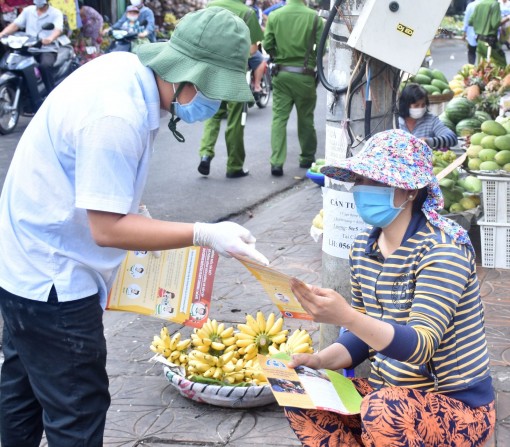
(398, 33)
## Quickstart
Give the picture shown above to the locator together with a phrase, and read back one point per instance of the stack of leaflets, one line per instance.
(175, 285)
(305, 387)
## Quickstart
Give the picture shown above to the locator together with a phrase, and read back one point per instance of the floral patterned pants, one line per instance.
(394, 417)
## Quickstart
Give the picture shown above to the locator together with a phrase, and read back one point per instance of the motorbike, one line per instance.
(262, 98)
(121, 39)
(22, 90)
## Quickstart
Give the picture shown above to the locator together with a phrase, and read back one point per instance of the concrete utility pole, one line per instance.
(342, 69)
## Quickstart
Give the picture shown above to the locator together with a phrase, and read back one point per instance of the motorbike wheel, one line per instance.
(8, 117)
(265, 85)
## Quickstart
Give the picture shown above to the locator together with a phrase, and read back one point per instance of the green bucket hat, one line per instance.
(209, 48)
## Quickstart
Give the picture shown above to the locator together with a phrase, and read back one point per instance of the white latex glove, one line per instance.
(227, 239)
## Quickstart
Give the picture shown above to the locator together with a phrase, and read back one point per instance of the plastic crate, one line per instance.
(496, 199)
(495, 243)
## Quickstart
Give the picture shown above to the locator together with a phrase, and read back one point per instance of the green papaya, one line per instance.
(431, 89)
(438, 74)
(439, 84)
(492, 127)
(422, 79)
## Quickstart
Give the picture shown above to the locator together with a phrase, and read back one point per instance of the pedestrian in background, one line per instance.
(133, 26)
(146, 16)
(504, 32)
(91, 22)
(291, 37)
(486, 21)
(416, 313)
(415, 118)
(234, 133)
(469, 32)
(69, 211)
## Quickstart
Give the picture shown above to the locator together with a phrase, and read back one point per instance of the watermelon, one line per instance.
(448, 123)
(467, 126)
(459, 108)
(482, 116)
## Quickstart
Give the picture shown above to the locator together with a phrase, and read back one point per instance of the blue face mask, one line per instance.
(375, 204)
(200, 108)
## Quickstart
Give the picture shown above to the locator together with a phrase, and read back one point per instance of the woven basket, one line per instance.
(436, 99)
(221, 396)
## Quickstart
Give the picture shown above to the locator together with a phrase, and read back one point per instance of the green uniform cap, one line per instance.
(209, 48)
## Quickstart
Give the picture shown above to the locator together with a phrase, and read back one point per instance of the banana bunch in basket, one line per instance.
(219, 354)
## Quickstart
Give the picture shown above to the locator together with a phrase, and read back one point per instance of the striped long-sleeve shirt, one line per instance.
(431, 128)
(428, 290)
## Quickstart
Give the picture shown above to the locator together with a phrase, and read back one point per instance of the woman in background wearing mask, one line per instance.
(146, 16)
(417, 120)
(415, 312)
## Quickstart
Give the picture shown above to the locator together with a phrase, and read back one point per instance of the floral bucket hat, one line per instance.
(399, 159)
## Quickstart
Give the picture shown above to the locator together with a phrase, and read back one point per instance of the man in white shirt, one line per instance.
(69, 211)
(31, 19)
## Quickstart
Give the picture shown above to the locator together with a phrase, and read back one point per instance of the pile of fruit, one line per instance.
(460, 193)
(432, 80)
(484, 84)
(489, 149)
(461, 116)
(317, 165)
(222, 355)
(318, 220)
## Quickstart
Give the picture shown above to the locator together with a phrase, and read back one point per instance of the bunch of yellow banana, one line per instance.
(258, 334)
(318, 220)
(457, 85)
(214, 338)
(172, 348)
(299, 342)
(209, 366)
(216, 352)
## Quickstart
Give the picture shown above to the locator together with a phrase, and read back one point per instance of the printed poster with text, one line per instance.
(175, 286)
(304, 387)
(277, 286)
(341, 222)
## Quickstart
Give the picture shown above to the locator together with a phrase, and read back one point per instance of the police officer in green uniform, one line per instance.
(234, 134)
(291, 37)
(486, 20)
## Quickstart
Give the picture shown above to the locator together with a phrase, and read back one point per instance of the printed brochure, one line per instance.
(175, 285)
(277, 286)
(305, 387)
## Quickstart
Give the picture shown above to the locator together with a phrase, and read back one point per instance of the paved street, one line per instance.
(146, 410)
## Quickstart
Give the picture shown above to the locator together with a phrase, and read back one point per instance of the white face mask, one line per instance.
(417, 113)
(136, 2)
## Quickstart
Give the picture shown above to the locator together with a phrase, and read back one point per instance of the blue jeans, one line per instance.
(54, 374)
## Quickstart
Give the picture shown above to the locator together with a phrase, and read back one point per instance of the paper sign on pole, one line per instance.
(341, 222)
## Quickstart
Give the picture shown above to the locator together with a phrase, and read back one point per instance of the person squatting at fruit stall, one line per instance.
(416, 312)
(69, 211)
(414, 117)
